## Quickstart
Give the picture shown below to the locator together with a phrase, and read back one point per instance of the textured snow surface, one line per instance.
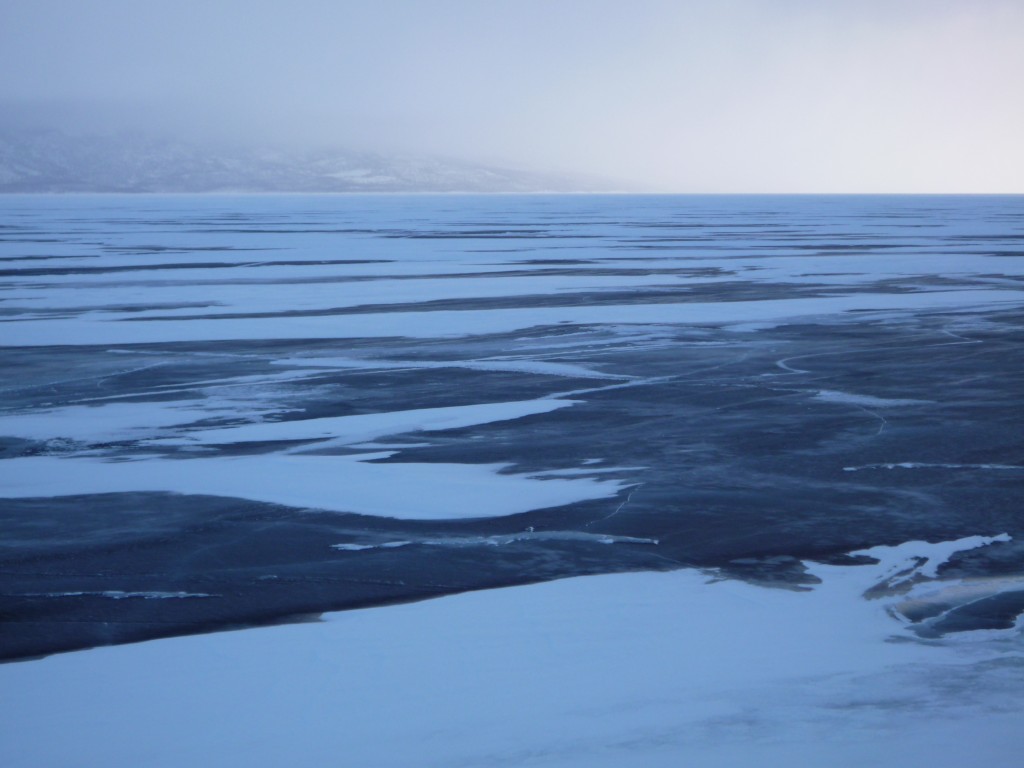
(101, 422)
(652, 669)
(95, 329)
(849, 398)
(347, 430)
(341, 483)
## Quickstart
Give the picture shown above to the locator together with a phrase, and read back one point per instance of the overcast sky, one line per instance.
(675, 95)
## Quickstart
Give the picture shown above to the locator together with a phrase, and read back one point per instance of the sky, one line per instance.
(664, 95)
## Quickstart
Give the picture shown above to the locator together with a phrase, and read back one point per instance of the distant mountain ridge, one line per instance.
(53, 161)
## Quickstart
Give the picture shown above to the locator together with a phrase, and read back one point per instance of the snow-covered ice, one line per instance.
(95, 328)
(351, 483)
(219, 412)
(653, 669)
(349, 430)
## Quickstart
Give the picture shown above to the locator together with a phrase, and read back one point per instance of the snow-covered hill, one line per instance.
(53, 161)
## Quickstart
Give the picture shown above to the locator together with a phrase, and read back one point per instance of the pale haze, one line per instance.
(741, 96)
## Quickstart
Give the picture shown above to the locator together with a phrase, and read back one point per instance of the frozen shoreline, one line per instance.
(643, 668)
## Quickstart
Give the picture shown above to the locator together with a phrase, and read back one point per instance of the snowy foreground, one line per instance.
(652, 669)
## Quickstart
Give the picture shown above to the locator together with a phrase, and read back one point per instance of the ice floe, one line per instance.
(832, 396)
(352, 483)
(122, 421)
(509, 365)
(349, 430)
(94, 328)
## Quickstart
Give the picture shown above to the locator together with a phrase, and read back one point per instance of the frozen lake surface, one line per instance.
(220, 412)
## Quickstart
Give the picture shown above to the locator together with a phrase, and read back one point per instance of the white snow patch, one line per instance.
(540, 367)
(927, 465)
(334, 483)
(920, 558)
(361, 547)
(833, 396)
(97, 328)
(122, 421)
(348, 430)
